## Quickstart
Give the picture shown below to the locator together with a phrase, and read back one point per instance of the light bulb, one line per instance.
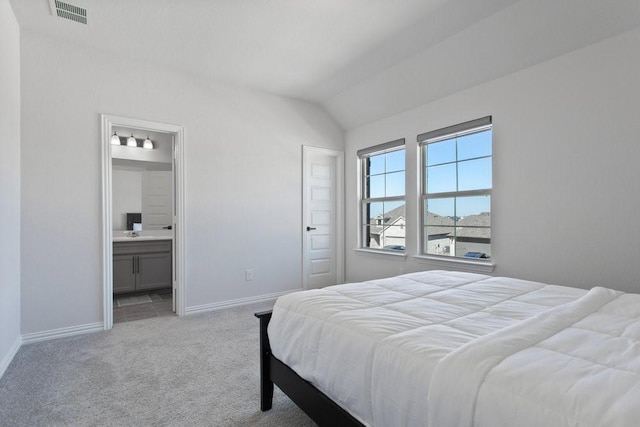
(147, 143)
(131, 141)
(115, 139)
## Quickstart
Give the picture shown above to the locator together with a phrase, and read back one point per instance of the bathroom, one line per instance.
(142, 218)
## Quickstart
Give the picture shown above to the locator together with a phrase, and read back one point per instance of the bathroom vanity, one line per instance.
(141, 263)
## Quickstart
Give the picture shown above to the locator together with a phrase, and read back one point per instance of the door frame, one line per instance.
(339, 183)
(179, 285)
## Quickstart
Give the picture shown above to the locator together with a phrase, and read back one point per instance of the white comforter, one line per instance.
(457, 349)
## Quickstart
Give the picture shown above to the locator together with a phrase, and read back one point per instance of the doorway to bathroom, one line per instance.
(143, 219)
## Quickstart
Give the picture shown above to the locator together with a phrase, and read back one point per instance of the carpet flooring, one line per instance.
(198, 370)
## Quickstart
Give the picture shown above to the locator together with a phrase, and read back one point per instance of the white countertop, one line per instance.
(124, 235)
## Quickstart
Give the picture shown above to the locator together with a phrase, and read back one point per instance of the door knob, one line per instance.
(310, 228)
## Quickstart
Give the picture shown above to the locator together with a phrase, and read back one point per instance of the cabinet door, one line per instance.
(154, 271)
(124, 275)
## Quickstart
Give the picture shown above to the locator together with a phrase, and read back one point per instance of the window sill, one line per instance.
(461, 264)
(381, 253)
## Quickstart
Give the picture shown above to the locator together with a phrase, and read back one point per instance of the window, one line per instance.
(456, 190)
(382, 212)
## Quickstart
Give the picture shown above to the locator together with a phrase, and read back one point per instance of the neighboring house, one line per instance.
(438, 234)
(388, 231)
(444, 236)
(473, 234)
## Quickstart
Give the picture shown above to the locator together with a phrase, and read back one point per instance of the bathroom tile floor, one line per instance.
(160, 305)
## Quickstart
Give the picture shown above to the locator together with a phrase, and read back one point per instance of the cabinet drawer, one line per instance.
(150, 246)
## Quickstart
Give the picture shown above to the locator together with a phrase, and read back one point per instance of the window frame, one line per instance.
(439, 135)
(363, 154)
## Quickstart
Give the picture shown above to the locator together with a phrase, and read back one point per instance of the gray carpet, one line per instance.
(199, 370)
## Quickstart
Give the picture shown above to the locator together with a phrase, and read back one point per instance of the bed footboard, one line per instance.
(321, 409)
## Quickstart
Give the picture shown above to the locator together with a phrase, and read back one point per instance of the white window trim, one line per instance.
(381, 252)
(475, 265)
(398, 144)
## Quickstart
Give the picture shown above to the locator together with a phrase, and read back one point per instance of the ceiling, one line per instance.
(361, 60)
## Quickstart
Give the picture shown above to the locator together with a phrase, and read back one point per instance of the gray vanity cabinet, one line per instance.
(141, 265)
(124, 274)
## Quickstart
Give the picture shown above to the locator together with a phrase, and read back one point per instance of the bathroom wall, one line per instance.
(129, 190)
(126, 187)
(128, 167)
(161, 152)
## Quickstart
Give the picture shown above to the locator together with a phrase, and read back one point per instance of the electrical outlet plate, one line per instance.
(248, 275)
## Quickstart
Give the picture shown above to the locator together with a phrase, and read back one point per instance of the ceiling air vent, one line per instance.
(68, 11)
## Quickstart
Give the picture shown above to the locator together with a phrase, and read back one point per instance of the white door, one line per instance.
(322, 218)
(157, 200)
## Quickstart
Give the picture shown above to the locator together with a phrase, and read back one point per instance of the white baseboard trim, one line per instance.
(6, 360)
(235, 303)
(62, 332)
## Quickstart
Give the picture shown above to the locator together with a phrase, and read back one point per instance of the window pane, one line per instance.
(393, 211)
(395, 161)
(395, 184)
(437, 240)
(384, 225)
(383, 222)
(441, 207)
(441, 179)
(370, 238)
(468, 206)
(474, 145)
(376, 164)
(474, 174)
(439, 225)
(441, 152)
(376, 186)
(473, 242)
(473, 233)
(392, 238)
(458, 226)
(373, 213)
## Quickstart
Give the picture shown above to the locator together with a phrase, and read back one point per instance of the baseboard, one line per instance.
(62, 332)
(235, 303)
(6, 361)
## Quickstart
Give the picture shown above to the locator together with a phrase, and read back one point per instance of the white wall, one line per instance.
(566, 174)
(243, 178)
(9, 185)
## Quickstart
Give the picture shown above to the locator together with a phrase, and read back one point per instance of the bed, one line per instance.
(441, 348)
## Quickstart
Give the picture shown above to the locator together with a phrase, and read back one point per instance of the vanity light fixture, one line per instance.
(132, 141)
(115, 139)
(147, 143)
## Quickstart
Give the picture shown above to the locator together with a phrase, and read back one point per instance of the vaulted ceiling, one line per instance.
(362, 60)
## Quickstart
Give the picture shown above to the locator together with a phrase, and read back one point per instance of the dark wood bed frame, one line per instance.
(319, 407)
